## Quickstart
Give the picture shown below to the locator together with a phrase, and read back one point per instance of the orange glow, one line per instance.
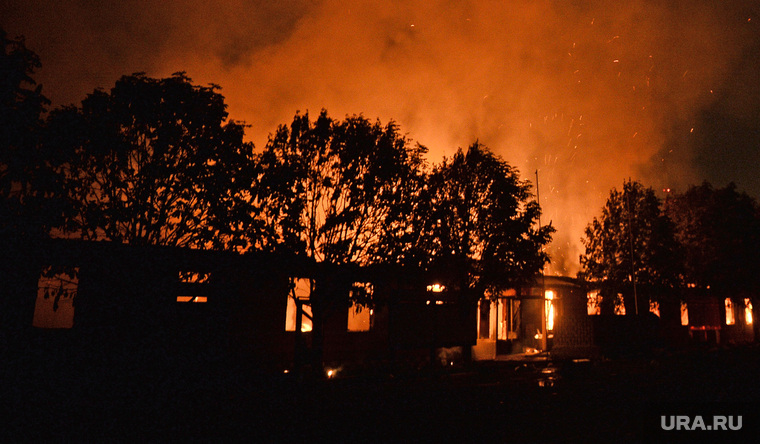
(359, 319)
(549, 309)
(730, 319)
(301, 292)
(654, 307)
(271, 65)
(194, 277)
(436, 288)
(620, 305)
(684, 314)
(200, 299)
(593, 303)
(46, 315)
(748, 311)
(332, 372)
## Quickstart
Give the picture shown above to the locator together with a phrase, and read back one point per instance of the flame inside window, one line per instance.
(436, 288)
(730, 319)
(200, 299)
(620, 305)
(549, 307)
(360, 318)
(593, 303)
(748, 311)
(299, 295)
(654, 307)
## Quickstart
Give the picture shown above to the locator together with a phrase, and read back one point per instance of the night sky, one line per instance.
(590, 93)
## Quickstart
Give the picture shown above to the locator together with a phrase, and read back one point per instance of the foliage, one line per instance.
(719, 230)
(28, 182)
(632, 242)
(481, 222)
(155, 161)
(331, 190)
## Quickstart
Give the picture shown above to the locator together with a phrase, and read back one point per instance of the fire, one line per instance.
(730, 320)
(199, 299)
(748, 310)
(436, 288)
(549, 307)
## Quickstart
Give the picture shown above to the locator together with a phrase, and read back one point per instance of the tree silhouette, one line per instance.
(155, 161)
(32, 198)
(27, 181)
(481, 223)
(331, 191)
(719, 230)
(331, 186)
(631, 246)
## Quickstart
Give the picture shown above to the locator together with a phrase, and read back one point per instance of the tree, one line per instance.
(26, 180)
(155, 161)
(630, 250)
(481, 223)
(719, 230)
(30, 184)
(331, 186)
(331, 191)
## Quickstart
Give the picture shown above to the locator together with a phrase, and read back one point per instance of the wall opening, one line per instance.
(298, 301)
(549, 309)
(730, 318)
(56, 292)
(620, 305)
(748, 311)
(684, 313)
(654, 308)
(361, 313)
(593, 303)
(193, 282)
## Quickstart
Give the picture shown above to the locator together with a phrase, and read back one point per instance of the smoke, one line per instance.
(587, 93)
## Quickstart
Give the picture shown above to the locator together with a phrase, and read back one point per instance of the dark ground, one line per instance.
(513, 401)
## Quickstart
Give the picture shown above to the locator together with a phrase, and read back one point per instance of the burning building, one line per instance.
(165, 304)
(548, 315)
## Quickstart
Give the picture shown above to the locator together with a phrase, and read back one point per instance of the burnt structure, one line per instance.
(149, 304)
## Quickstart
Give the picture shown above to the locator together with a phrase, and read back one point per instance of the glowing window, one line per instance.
(593, 303)
(436, 288)
(200, 299)
(299, 297)
(684, 314)
(620, 305)
(654, 307)
(730, 319)
(748, 311)
(498, 321)
(360, 315)
(549, 309)
(360, 318)
(54, 307)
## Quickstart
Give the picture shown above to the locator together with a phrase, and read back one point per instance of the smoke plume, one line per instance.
(587, 93)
